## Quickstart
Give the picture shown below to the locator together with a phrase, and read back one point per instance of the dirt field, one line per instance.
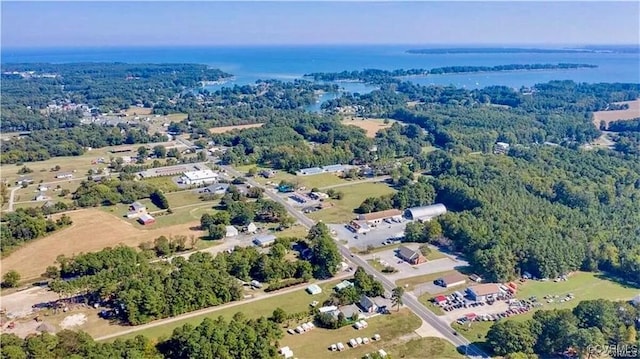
(610, 116)
(92, 230)
(224, 129)
(138, 111)
(371, 125)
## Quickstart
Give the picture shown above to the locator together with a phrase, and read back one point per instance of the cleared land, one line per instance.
(224, 129)
(370, 125)
(92, 230)
(611, 116)
(319, 180)
(354, 195)
(139, 111)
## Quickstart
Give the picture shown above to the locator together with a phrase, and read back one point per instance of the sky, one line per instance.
(72, 24)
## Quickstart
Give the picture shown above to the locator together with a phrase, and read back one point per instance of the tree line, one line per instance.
(27, 224)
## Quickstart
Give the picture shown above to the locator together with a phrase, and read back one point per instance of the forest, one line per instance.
(586, 330)
(238, 338)
(374, 76)
(139, 291)
(26, 224)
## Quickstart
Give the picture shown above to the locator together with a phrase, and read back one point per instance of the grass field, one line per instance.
(294, 302)
(370, 125)
(165, 184)
(411, 282)
(585, 286)
(184, 198)
(224, 129)
(610, 116)
(92, 230)
(354, 195)
(138, 111)
(426, 348)
(315, 344)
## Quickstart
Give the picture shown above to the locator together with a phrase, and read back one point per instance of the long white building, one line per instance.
(199, 177)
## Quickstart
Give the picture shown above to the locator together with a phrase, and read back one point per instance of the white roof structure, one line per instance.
(231, 231)
(314, 289)
(425, 212)
(200, 175)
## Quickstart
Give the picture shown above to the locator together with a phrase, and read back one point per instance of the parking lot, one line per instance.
(376, 237)
(406, 270)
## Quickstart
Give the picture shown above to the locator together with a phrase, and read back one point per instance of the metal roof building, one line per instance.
(264, 240)
(425, 212)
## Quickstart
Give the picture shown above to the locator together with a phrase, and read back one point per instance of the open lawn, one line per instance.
(354, 195)
(138, 111)
(426, 348)
(92, 230)
(392, 328)
(165, 184)
(293, 302)
(611, 116)
(370, 125)
(224, 129)
(585, 286)
(296, 231)
(184, 198)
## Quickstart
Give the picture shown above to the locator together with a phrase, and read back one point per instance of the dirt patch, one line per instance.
(74, 320)
(370, 125)
(427, 330)
(611, 116)
(224, 129)
(20, 304)
(139, 111)
(92, 230)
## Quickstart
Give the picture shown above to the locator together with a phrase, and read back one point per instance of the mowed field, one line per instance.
(370, 125)
(224, 129)
(92, 230)
(611, 116)
(354, 195)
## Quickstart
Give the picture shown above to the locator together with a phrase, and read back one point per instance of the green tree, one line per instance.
(325, 256)
(52, 272)
(252, 172)
(159, 199)
(143, 152)
(217, 231)
(396, 297)
(509, 336)
(160, 151)
(278, 316)
(11, 279)
(162, 246)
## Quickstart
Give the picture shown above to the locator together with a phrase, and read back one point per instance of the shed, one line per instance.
(314, 289)
(231, 231)
(264, 240)
(425, 212)
(146, 219)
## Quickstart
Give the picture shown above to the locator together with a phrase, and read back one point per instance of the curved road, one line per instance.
(409, 300)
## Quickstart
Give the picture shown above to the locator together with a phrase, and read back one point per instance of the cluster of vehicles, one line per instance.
(457, 300)
(354, 342)
(557, 298)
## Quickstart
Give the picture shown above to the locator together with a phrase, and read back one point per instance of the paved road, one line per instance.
(409, 300)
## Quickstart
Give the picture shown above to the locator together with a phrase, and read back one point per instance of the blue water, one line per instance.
(249, 64)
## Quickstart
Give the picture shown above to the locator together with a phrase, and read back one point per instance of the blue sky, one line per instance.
(43, 24)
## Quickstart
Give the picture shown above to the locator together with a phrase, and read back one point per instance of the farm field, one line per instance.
(92, 230)
(370, 125)
(585, 286)
(224, 129)
(610, 116)
(354, 195)
(293, 302)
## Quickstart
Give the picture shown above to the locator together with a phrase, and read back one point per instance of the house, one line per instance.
(314, 289)
(41, 196)
(359, 227)
(251, 228)
(231, 231)
(146, 219)
(378, 217)
(451, 280)
(22, 181)
(62, 175)
(425, 213)
(484, 292)
(342, 285)
(219, 188)
(501, 148)
(410, 256)
(136, 209)
(264, 240)
(367, 304)
(267, 173)
(199, 177)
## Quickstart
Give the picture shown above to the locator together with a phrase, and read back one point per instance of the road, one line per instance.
(409, 300)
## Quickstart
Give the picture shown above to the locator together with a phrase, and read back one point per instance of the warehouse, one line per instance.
(199, 177)
(425, 213)
(377, 217)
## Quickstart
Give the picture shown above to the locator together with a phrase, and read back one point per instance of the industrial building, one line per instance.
(378, 217)
(425, 213)
(484, 292)
(199, 177)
